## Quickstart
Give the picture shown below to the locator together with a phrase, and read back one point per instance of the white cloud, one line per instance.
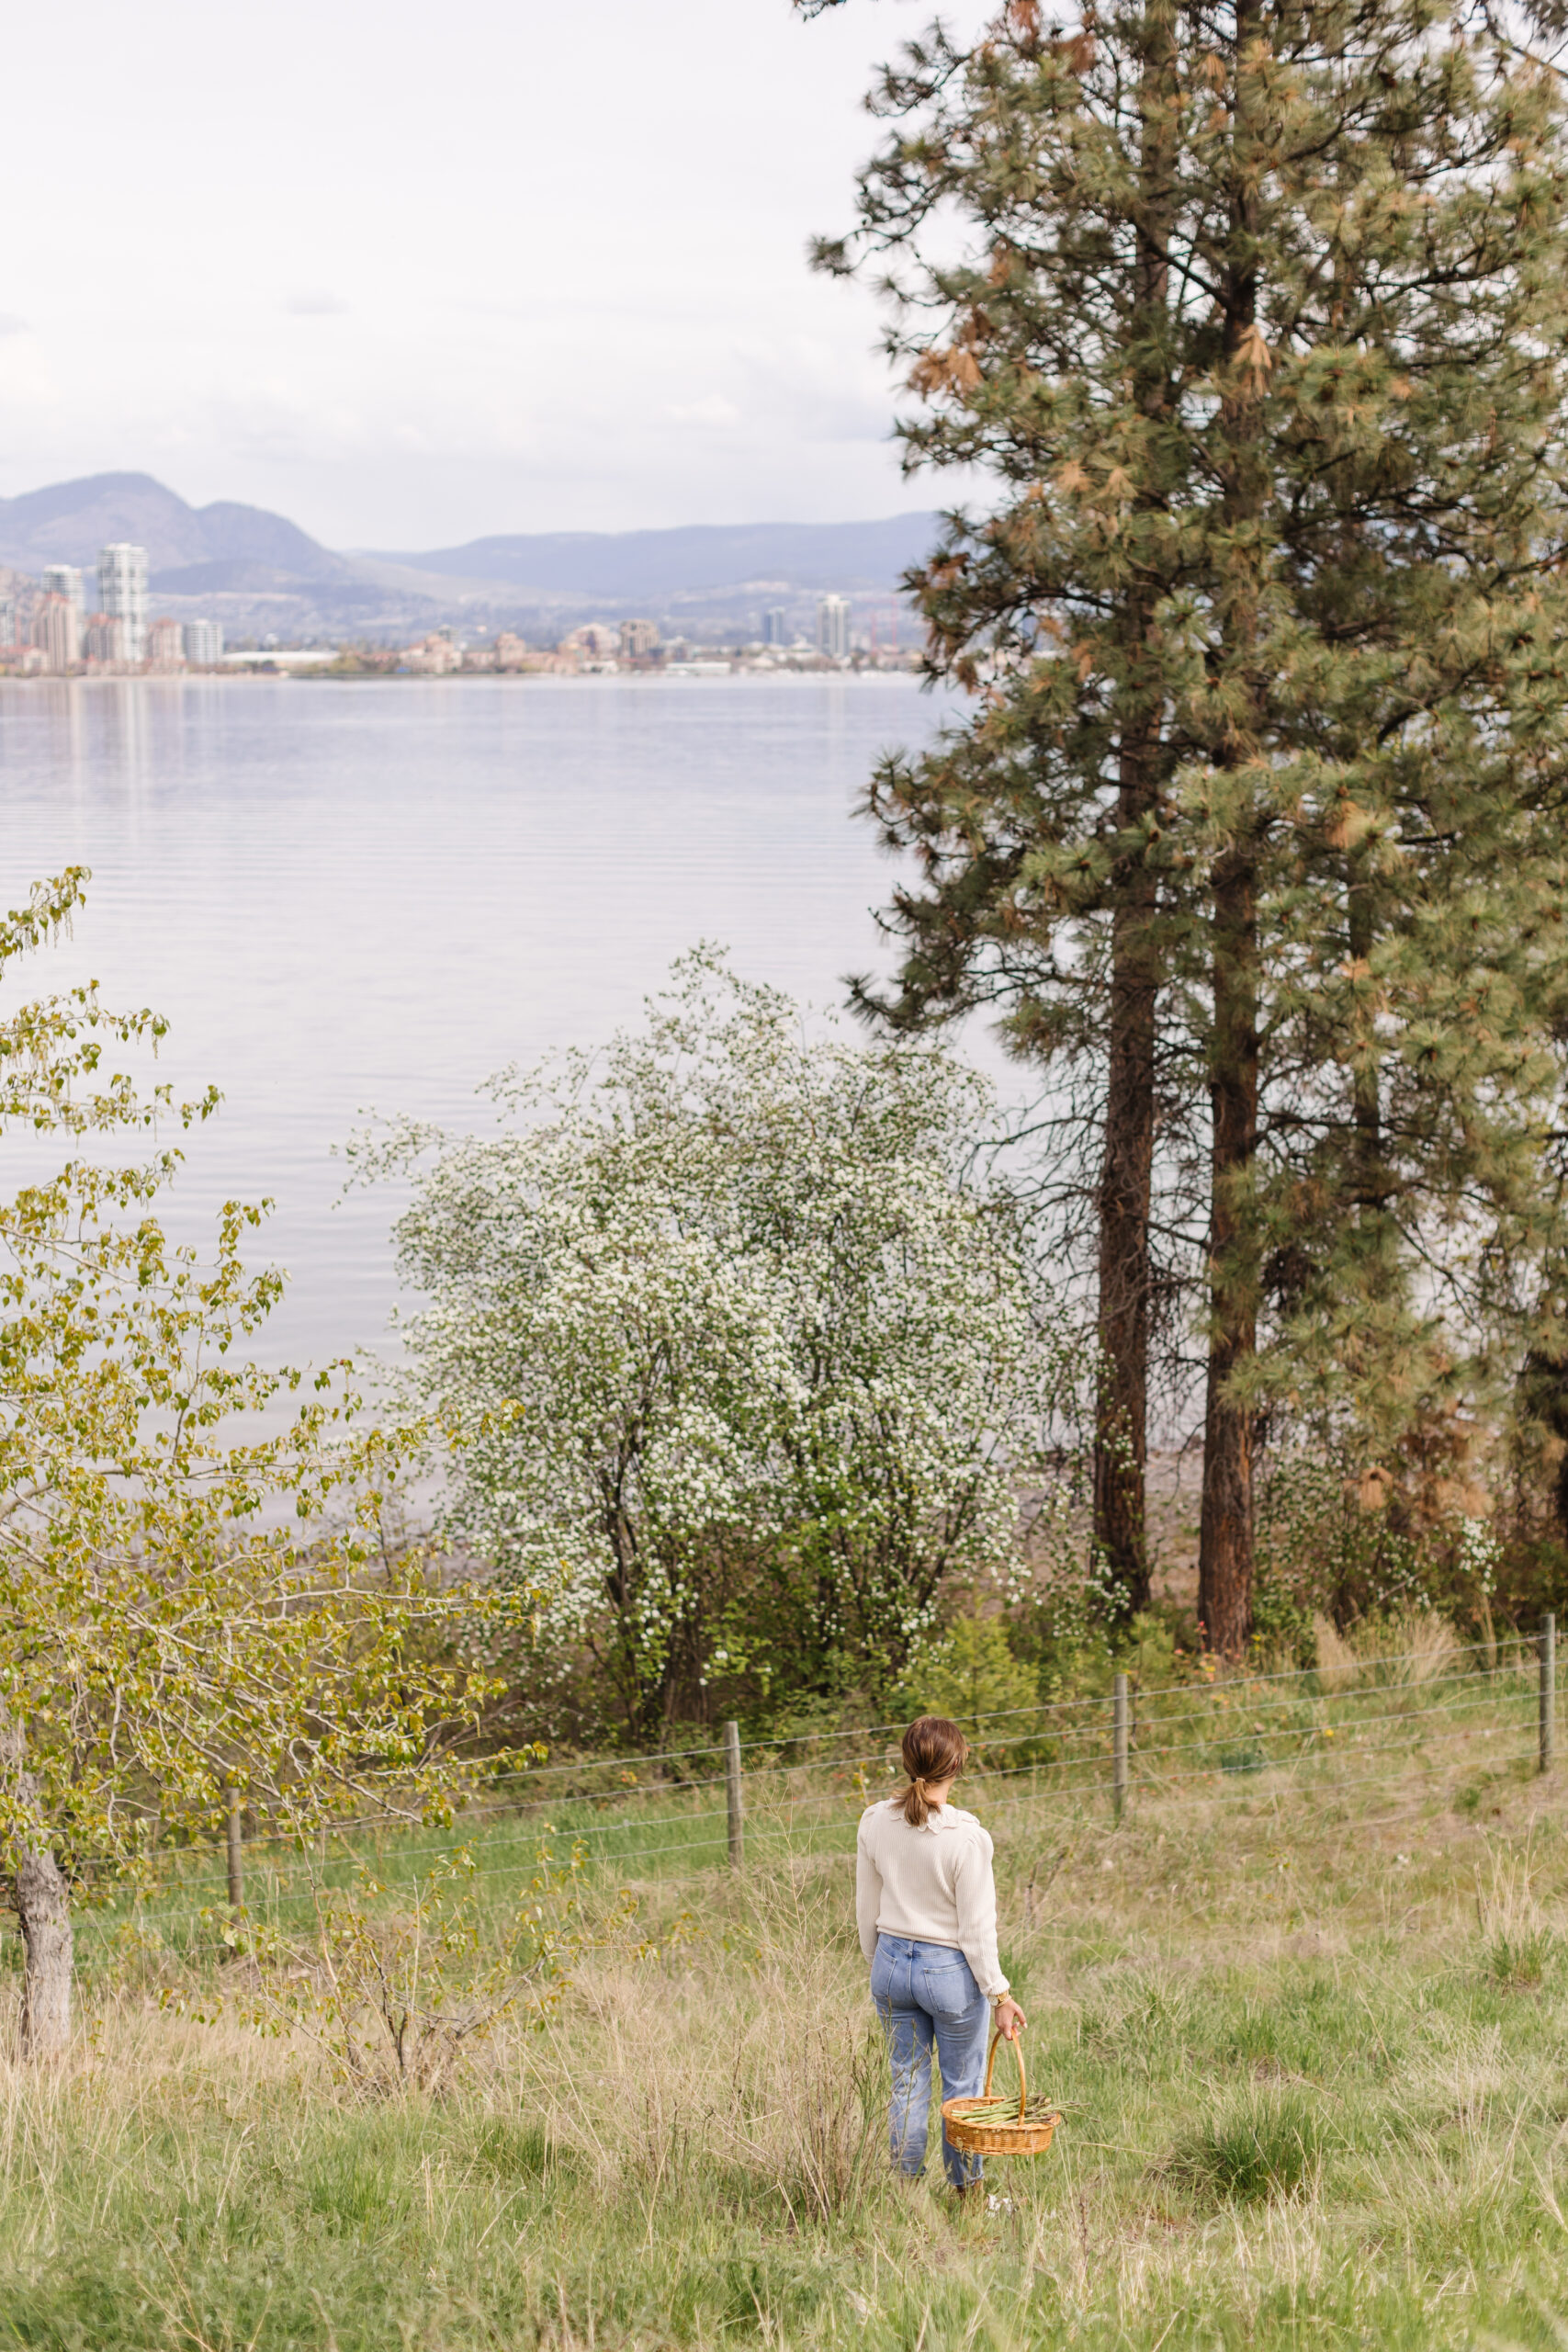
(307, 305)
(713, 409)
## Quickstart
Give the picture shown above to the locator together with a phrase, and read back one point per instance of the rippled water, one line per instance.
(357, 894)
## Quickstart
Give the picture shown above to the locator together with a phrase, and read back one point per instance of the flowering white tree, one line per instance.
(743, 1352)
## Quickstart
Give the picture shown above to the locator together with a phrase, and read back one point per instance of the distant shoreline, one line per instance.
(533, 681)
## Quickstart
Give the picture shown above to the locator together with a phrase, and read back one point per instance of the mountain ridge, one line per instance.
(685, 557)
(190, 550)
(255, 570)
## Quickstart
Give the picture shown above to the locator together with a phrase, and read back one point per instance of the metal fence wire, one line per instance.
(737, 1803)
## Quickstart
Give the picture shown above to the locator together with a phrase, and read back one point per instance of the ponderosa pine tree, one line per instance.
(1255, 319)
(1051, 908)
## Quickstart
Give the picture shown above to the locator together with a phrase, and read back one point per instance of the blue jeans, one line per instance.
(927, 1993)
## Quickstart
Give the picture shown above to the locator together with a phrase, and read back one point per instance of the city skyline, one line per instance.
(261, 578)
(46, 628)
(44, 631)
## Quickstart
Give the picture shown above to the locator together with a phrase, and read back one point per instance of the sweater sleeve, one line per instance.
(868, 1892)
(974, 1887)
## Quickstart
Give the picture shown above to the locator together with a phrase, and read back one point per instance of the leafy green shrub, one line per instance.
(1065, 1629)
(1350, 1539)
(396, 1986)
(971, 1674)
(1160, 1647)
(1330, 1544)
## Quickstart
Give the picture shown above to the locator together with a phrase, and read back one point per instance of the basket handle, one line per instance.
(1022, 2078)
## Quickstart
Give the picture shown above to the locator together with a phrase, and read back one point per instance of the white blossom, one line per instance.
(742, 1356)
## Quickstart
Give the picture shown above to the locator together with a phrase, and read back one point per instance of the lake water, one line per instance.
(359, 896)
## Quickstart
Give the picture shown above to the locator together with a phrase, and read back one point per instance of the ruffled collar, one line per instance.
(940, 1817)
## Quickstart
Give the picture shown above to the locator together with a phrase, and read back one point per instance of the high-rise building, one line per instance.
(773, 632)
(165, 645)
(65, 580)
(833, 627)
(103, 640)
(122, 596)
(204, 643)
(639, 638)
(57, 631)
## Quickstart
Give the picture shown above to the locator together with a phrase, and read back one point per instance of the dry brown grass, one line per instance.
(1415, 1647)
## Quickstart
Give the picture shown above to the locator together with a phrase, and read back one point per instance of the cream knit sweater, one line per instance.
(933, 1885)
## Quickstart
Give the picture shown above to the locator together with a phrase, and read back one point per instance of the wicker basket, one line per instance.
(1020, 2135)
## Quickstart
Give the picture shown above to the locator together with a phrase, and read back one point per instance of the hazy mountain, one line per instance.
(258, 572)
(192, 550)
(619, 565)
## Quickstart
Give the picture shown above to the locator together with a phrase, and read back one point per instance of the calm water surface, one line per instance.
(355, 895)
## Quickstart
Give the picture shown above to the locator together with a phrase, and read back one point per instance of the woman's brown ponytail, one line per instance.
(934, 1749)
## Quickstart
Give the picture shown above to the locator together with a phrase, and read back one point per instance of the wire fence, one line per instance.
(772, 1803)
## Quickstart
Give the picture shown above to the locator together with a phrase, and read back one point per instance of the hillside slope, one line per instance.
(191, 550)
(621, 565)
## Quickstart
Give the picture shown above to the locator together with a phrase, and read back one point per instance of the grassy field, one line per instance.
(1309, 2043)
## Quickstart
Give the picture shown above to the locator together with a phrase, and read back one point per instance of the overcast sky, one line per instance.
(412, 273)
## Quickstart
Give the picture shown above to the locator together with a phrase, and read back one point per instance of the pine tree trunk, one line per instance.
(1121, 1426)
(1225, 1534)
(1225, 1560)
(1121, 1449)
(1366, 1093)
(44, 1908)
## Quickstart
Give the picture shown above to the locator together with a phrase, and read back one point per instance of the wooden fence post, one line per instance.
(1119, 1714)
(1548, 1688)
(732, 1793)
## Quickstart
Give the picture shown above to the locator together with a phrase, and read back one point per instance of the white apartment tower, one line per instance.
(122, 596)
(833, 627)
(204, 643)
(65, 580)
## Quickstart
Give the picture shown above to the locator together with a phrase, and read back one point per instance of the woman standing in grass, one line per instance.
(925, 1903)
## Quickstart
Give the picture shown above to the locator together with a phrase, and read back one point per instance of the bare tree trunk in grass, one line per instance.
(44, 1908)
(44, 1905)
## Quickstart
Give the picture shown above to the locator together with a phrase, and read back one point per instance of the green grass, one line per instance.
(1310, 2053)
(1260, 2145)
